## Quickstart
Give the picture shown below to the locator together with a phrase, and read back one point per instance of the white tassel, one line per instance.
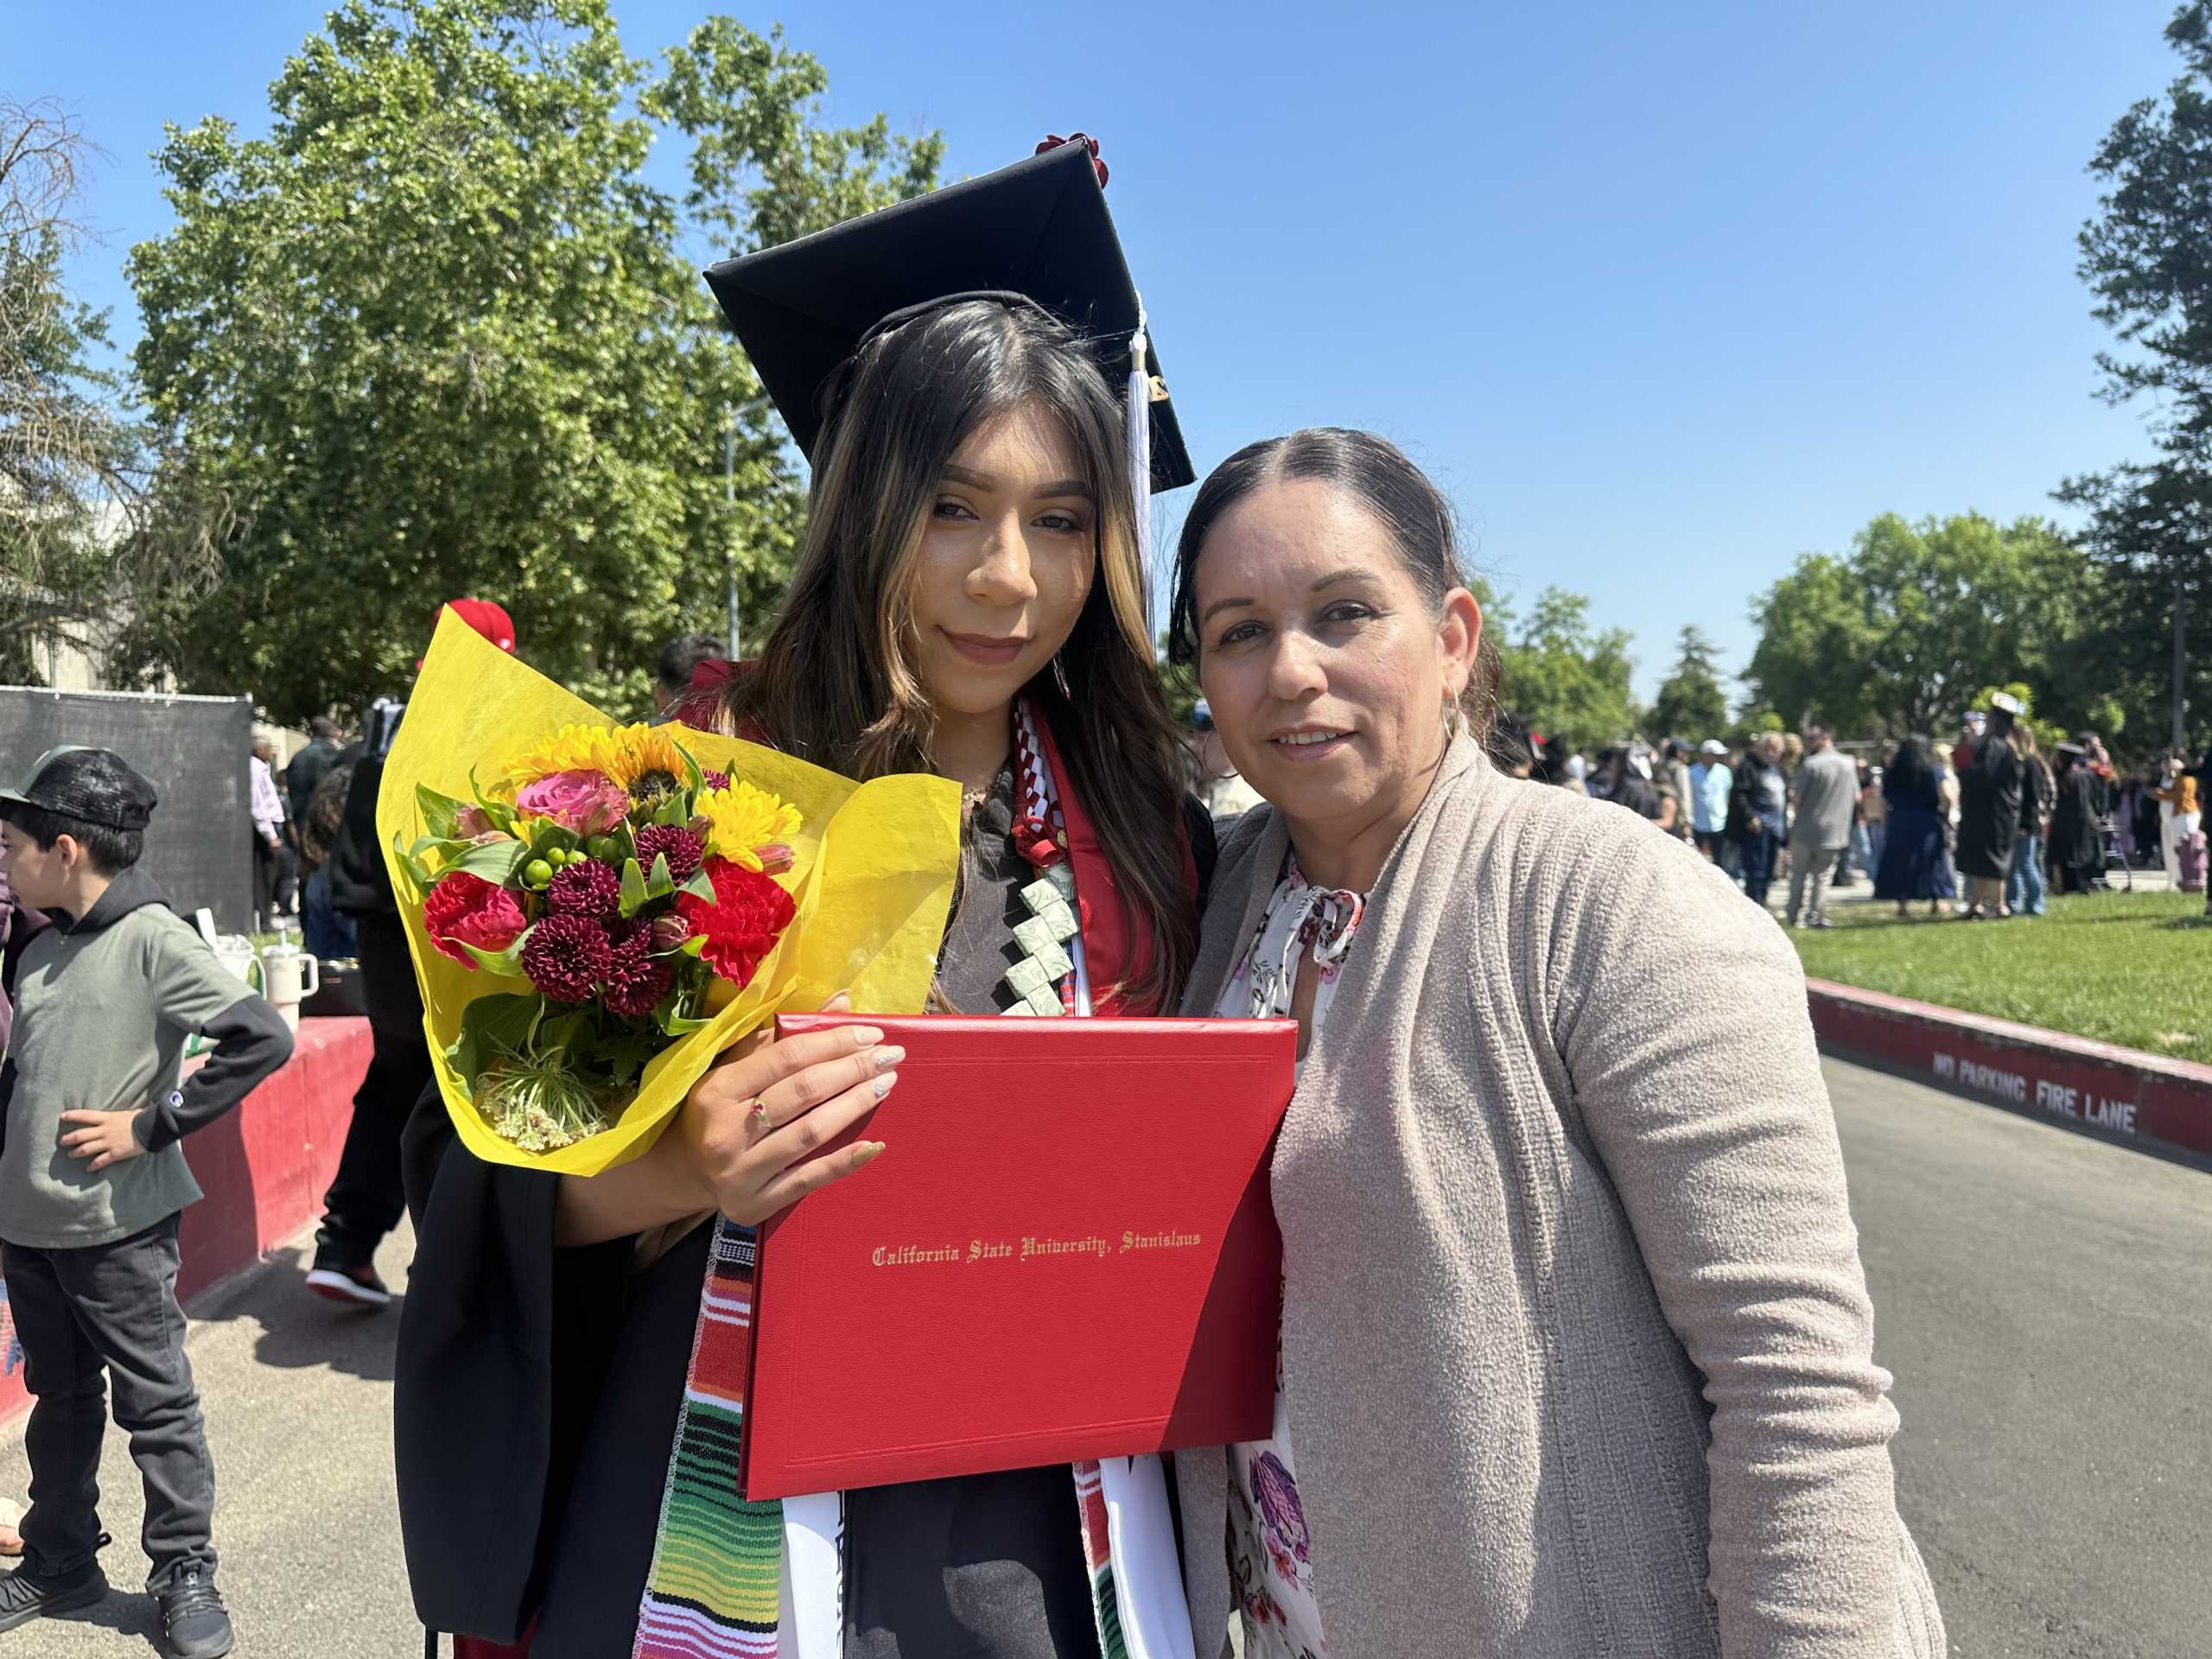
(1140, 447)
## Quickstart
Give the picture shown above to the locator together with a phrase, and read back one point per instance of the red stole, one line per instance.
(1116, 945)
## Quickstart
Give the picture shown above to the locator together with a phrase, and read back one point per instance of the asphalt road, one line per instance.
(2044, 1299)
(298, 1395)
(2046, 1302)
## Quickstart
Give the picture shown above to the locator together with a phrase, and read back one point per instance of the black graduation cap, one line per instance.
(1038, 229)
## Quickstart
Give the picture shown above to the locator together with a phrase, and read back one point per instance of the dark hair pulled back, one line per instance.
(1398, 496)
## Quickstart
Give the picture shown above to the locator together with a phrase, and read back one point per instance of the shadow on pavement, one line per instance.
(124, 1612)
(300, 1329)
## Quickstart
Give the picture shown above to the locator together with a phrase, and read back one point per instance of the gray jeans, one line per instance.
(110, 1307)
(1810, 866)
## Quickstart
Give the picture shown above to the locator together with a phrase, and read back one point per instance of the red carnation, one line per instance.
(635, 982)
(465, 909)
(749, 914)
(679, 846)
(566, 957)
(588, 887)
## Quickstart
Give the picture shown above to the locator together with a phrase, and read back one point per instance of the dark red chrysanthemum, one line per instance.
(679, 846)
(715, 779)
(749, 914)
(566, 957)
(634, 981)
(587, 887)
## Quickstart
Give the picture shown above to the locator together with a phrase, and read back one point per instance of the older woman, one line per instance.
(1576, 1347)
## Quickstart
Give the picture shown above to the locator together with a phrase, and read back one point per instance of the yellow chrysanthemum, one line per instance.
(746, 819)
(625, 754)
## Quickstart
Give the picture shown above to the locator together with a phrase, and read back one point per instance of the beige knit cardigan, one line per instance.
(1576, 1344)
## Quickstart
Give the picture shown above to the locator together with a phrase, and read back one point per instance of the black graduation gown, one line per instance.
(1989, 810)
(535, 1403)
(2075, 841)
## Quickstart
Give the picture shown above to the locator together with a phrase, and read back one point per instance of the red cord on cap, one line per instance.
(1053, 140)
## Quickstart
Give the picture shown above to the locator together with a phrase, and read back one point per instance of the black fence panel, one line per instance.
(200, 845)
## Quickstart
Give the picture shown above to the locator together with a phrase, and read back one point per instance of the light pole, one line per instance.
(729, 504)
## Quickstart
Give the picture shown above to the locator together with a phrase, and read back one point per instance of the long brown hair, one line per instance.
(837, 682)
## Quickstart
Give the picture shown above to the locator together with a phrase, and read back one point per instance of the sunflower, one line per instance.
(644, 759)
(745, 820)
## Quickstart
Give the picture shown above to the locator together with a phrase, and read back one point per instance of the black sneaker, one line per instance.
(358, 1286)
(194, 1621)
(25, 1595)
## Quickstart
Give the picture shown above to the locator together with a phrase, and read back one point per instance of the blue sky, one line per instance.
(1662, 295)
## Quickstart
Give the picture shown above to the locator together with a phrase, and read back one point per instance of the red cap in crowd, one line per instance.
(487, 617)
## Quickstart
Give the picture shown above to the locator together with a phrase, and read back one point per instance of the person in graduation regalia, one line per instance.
(1989, 810)
(971, 375)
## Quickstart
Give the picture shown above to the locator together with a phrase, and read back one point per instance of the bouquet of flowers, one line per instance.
(596, 911)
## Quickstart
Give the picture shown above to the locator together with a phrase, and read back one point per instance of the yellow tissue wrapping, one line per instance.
(872, 879)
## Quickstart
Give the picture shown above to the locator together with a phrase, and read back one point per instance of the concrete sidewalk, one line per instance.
(298, 1396)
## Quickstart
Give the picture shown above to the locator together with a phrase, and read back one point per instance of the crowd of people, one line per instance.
(1986, 830)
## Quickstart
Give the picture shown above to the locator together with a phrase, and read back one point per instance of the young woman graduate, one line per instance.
(969, 599)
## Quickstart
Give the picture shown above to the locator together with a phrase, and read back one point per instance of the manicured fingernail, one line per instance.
(863, 1035)
(866, 1153)
(883, 1085)
(888, 1056)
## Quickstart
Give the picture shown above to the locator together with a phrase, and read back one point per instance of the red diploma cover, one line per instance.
(1066, 1251)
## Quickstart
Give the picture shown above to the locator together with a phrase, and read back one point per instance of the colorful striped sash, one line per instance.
(713, 1589)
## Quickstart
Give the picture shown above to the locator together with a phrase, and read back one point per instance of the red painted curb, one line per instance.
(2124, 1093)
(264, 1169)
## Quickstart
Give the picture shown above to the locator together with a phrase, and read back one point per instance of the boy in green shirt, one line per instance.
(93, 1181)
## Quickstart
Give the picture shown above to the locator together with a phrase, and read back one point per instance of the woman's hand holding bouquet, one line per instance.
(744, 1143)
(597, 911)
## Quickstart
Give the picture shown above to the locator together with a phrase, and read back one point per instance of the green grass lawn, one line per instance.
(2130, 968)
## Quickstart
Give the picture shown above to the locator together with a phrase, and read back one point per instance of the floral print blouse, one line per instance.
(1270, 1561)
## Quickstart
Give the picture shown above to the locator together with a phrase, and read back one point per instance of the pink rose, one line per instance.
(589, 803)
(465, 909)
(474, 823)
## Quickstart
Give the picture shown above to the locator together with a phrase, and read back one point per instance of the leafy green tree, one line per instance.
(1691, 703)
(2147, 257)
(1563, 677)
(92, 522)
(1814, 639)
(436, 334)
(1898, 636)
(2148, 538)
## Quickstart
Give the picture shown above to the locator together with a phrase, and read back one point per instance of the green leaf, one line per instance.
(497, 861)
(441, 813)
(501, 817)
(560, 1030)
(491, 1027)
(676, 809)
(669, 1014)
(627, 1055)
(506, 964)
(633, 888)
(660, 884)
(701, 886)
(694, 945)
(413, 866)
(694, 779)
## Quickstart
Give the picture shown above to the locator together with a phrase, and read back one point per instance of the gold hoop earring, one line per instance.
(1454, 719)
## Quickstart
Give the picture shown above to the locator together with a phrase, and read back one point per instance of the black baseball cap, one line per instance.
(1036, 233)
(92, 785)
